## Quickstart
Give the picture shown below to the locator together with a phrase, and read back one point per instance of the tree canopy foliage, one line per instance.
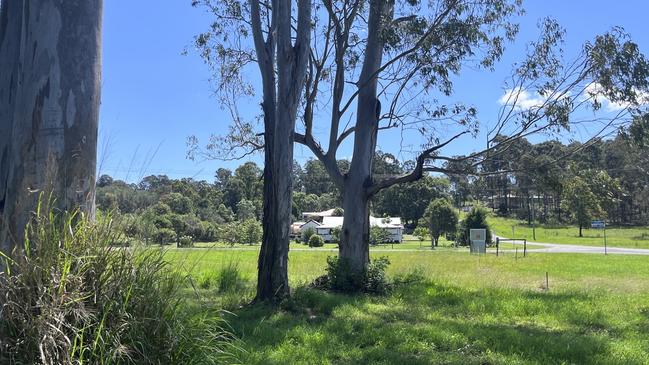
(441, 219)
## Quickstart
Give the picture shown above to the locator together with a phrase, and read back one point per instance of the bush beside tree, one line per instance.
(421, 232)
(475, 219)
(307, 234)
(378, 235)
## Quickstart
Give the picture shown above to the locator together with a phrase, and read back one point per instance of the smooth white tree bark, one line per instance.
(50, 57)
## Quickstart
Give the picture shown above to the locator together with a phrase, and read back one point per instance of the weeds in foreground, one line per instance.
(71, 297)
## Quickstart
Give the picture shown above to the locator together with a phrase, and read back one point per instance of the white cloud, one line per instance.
(522, 99)
(595, 90)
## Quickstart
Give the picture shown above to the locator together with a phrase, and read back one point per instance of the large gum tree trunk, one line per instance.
(354, 245)
(272, 281)
(272, 277)
(50, 59)
(283, 86)
(10, 38)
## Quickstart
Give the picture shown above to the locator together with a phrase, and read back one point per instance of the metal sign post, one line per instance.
(601, 224)
(605, 247)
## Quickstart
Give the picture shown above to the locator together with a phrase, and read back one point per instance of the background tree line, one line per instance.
(159, 209)
(549, 182)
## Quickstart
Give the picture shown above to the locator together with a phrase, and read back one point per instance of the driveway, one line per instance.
(563, 248)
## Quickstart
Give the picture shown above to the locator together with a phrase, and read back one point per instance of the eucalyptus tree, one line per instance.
(402, 55)
(50, 57)
(264, 33)
(382, 65)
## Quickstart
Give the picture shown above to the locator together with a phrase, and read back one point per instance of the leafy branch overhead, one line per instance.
(425, 45)
(375, 66)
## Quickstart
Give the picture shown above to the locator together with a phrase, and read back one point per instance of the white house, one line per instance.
(317, 216)
(298, 227)
(391, 224)
(328, 224)
(295, 228)
(310, 224)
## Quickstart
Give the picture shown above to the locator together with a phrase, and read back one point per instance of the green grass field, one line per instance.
(636, 237)
(409, 243)
(463, 310)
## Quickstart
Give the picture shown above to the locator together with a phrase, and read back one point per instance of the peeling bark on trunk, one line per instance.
(10, 37)
(354, 240)
(272, 280)
(283, 86)
(50, 56)
(354, 243)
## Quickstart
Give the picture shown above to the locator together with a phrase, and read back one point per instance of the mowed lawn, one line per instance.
(635, 237)
(452, 308)
(409, 242)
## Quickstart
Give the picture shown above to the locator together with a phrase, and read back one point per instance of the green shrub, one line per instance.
(378, 235)
(71, 298)
(316, 241)
(186, 241)
(376, 279)
(164, 235)
(250, 232)
(344, 277)
(476, 218)
(335, 234)
(229, 233)
(307, 233)
(421, 232)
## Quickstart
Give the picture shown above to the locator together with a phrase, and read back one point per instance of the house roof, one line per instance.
(331, 222)
(324, 213)
(309, 221)
(387, 222)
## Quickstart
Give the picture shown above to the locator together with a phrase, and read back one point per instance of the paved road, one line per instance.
(563, 248)
(532, 248)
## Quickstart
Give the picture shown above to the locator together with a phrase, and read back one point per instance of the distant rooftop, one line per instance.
(387, 222)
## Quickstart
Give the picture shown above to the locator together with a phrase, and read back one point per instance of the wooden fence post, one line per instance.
(525, 247)
(497, 245)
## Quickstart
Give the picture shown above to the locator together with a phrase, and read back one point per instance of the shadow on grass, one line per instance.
(429, 323)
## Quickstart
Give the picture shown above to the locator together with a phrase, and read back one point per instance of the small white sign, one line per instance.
(478, 234)
(478, 238)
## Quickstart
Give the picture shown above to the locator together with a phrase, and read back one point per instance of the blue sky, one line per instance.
(154, 97)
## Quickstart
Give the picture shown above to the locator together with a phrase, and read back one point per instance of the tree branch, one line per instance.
(419, 169)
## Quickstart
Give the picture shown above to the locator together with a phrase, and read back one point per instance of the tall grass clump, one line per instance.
(230, 278)
(71, 297)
